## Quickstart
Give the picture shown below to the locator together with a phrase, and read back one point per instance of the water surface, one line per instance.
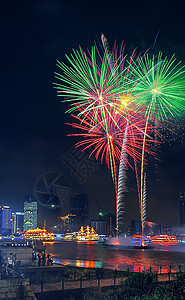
(94, 254)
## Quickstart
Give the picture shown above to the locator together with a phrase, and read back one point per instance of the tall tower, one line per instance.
(80, 207)
(30, 214)
(181, 208)
(17, 222)
(6, 213)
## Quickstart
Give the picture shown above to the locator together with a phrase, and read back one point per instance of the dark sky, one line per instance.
(33, 34)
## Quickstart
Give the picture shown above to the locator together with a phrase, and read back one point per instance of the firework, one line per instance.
(89, 81)
(118, 104)
(159, 84)
(116, 141)
(95, 82)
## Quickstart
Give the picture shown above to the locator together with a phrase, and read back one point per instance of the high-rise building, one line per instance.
(181, 208)
(66, 223)
(6, 213)
(152, 228)
(80, 208)
(166, 230)
(135, 227)
(110, 219)
(30, 214)
(100, 227)
(17, 222)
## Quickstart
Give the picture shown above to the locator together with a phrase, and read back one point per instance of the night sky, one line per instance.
(33, 34)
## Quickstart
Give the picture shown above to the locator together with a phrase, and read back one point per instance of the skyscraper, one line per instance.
(152, 228)
(80, 208)
(67, 223)
(135, 227)
(17, 222)
(181, 208)
(6, 213)
(99, 226)
(30, 214)
(110, 220)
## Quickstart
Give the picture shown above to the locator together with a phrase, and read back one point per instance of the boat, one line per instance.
(141, 242)
(84, 234)
(135, 242)
(164, 240)
(39, 235)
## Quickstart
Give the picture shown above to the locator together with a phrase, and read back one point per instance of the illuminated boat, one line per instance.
(87, 234)
(84, 234)
(141, 242)
(136, 242)
(39, 235)
(164, 240)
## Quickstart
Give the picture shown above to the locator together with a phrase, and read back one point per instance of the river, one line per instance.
(95, 254)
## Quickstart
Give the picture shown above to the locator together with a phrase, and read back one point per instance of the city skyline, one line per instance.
(49, 218)
(33, 137)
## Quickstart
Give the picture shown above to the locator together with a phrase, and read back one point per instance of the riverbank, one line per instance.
(72, 283)
(66, 282)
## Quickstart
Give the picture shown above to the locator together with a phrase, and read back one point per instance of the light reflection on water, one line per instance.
(88, 254)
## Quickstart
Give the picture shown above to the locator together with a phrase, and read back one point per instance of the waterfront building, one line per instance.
(6, 213)
(166, 230)
(67, 223)
(79, 206)
(110, 219)
(152, 228)
(181, 209)
(0, 219)
(135, 227)
(30, 214)
(17, 222)
(100, 227)
(129, 230)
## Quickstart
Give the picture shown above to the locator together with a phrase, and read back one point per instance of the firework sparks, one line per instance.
(119, 104)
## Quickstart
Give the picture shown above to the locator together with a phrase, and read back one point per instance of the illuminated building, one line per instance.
(6, 220)
(181, 208)
(99, 226)
(38, 234)
(30, 214)
(67, 223)
(17, 222)
(164, 239)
